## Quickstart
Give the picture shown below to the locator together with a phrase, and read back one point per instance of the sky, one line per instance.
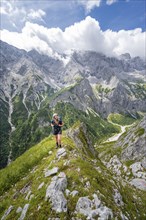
(112, 27)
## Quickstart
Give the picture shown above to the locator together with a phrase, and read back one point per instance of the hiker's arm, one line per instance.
(52, 124)
(61, 124)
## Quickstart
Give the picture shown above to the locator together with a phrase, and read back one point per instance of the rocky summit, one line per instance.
(99, 173)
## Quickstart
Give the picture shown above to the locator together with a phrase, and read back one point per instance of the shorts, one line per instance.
(57, 131)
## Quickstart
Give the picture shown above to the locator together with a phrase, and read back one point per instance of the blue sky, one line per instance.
(120, 14)
(117, 16)
(25, 19)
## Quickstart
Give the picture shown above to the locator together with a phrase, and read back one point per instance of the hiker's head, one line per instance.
(55, 116)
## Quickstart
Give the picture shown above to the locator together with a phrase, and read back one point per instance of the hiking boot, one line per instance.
(56, 145)
(60, 145)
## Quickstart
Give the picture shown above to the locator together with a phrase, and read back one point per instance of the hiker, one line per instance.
(57, 123)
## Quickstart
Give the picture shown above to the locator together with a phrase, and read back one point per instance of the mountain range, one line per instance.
(100, 171)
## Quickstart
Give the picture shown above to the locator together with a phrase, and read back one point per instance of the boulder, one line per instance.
(50, 152)
(96, 201)
(74, 193)
(84, 206)
(59, 202)
(93, 209)
(136, 167)
(115, 165)
(19, 210)
(55, 191)
(67, 192)
(41, 185)
(61, 153)
(24, 211)
(28, 195)
(118, 198)
(7, 212)
(51, 172)
(139, 183)
(144, 162)
(105, 213)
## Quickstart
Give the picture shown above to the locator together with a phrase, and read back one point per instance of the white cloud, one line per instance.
(36, 14)
(9, 9)
(89, 4)
(16, 14)
(84, 35)
(3, 10)
(110, 2)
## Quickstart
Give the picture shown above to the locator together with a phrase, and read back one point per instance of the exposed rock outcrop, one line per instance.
(61, 153)
(55, 192)
(133, 144)
(93, 209)
(51, 172)
(80, 136)
(24, 211)
(7, 212)
(139, 183)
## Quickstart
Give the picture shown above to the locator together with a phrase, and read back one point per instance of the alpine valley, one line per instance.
(100, 171)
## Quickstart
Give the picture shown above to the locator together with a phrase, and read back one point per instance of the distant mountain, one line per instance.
(33, 85)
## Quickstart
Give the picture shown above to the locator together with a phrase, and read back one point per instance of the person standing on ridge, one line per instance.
(57, 124)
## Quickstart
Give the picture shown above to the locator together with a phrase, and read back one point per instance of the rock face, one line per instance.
(139, 183)
(55, 193)
(51, 172)
(84, 206)
(61, 153)
(115, 165)
(138, 170)
(93, 209)
(118, 198)
(41, 185)
(80, 136)
(24, 211)
(89, 79)
(7, 213)
(80, 95)
(134, 143)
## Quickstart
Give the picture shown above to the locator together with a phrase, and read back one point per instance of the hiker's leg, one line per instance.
(59, 140)
(56, 139)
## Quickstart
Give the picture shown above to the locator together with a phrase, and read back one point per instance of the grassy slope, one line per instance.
(121, 119)
(29, 169)
(4, 133)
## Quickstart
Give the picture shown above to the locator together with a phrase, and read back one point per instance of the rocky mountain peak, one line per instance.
(101, 101)
(9, 53)
(125, 56)
(31, 81)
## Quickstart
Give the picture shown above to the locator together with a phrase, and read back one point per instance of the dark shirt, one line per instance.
(56, 128)
(56, 125)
